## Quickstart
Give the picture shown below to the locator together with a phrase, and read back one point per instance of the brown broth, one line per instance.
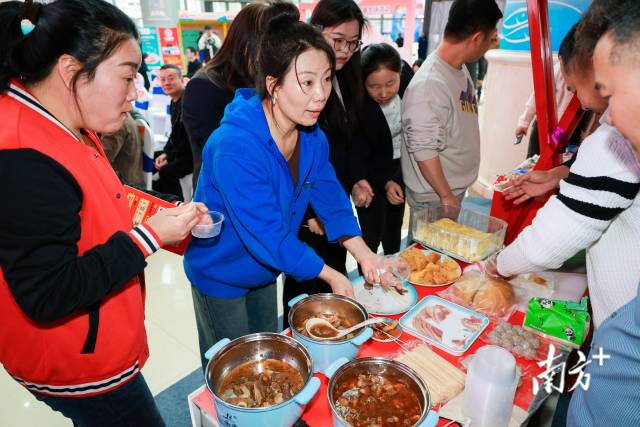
(337, 321)
(323, 331)
(261, 383)
(371, 400)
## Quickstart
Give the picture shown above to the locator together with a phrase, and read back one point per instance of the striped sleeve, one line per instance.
(598, 197)
(602, 183)
(146, 239)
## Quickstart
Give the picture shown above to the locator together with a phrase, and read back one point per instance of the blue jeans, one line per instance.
(218, 318)
(131, 405)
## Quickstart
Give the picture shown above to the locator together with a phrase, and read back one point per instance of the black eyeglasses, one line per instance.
(352, 45)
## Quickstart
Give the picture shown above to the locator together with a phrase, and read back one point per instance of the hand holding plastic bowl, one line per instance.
(209, 226)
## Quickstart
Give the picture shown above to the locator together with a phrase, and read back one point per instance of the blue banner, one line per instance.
(150, 45)
(563, 14)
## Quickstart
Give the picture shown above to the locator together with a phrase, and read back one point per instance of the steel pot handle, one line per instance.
(216, 348)
(295, 300)
(431, 420)
(362, 338)
(307, 393)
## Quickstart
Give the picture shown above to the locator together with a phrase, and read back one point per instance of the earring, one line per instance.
(274, 99)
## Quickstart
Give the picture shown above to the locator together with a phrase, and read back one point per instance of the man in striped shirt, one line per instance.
(612, 398)
(597, 208)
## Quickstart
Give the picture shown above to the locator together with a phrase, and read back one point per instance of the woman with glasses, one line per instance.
(341, 23)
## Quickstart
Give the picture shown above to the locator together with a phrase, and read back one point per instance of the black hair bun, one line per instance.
(284, 15)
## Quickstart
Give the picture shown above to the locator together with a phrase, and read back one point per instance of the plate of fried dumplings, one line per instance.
(430, 268)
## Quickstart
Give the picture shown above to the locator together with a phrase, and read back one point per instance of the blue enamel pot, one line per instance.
(226, 355)
(325, 352)
(343, 370)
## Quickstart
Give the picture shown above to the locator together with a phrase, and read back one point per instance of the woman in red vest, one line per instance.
(71, 263)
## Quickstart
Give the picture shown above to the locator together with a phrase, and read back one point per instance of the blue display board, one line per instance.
(563, 14)
(150, 45)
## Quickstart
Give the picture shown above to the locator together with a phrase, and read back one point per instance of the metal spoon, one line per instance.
(316, 321)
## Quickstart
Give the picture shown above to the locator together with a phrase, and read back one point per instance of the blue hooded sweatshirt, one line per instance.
(245, 177)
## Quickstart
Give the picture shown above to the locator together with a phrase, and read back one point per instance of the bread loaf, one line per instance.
(467, 289)
(494, 297)
(489, 296)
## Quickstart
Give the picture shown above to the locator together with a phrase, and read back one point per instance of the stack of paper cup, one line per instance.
(490, 387)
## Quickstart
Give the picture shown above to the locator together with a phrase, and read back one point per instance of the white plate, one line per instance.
(381, 302)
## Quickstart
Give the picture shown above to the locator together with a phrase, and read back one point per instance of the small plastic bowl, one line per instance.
(210, 225)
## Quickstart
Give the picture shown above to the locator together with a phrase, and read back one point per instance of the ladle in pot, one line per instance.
(328, 332)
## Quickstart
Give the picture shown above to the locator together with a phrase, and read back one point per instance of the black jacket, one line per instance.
(202, 109)
(342, 121)
(193, 67)
(376, 153)
(178, 149)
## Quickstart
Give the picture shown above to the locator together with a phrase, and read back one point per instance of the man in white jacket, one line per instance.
(597, 208)
(209, 42)
(612, 397)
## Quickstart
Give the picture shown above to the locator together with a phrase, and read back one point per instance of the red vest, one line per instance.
(46, 358)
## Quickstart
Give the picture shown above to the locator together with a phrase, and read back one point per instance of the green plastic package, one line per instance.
(565, 322)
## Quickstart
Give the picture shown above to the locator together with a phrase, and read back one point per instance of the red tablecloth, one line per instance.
(318, 412)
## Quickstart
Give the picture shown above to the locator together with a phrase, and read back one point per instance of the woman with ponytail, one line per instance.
(265, 164)
(71, 262)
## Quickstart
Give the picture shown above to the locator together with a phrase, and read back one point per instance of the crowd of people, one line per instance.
(284, 128)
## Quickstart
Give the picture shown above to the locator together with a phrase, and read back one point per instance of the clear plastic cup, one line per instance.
(490, 387)
(209, 226)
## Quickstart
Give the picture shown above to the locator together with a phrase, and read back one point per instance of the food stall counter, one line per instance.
(318, 411)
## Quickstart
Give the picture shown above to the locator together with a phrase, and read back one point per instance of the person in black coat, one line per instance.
(210, 90)
(385, 77)
(144, 70)
(193, 63)
(202, 110)
(422, 46)
(175, 161)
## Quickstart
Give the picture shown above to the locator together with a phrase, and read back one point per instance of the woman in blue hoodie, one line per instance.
(265, 164)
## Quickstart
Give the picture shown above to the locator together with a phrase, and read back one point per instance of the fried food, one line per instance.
(538, 280)
(433, 258)
(415, 258)
(430, 269)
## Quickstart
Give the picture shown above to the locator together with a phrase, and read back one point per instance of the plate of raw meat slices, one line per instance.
(446, 325)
